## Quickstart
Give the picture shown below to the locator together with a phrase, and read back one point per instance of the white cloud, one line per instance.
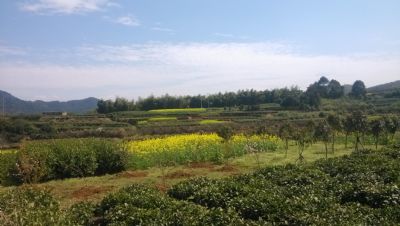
(65, 6)
(128, 21)
(230, 36)
(162, 29)
(191, 68)
(11, 51)
(224, 35)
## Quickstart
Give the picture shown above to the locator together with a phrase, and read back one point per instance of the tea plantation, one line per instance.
(362, 188)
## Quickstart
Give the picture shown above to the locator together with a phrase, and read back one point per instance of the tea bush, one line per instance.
(348, 190)
(141, 205)
(7, 164)
(360, 189)
(27, 206)
(39, 161)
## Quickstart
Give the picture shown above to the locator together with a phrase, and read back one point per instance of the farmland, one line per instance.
(236, 165)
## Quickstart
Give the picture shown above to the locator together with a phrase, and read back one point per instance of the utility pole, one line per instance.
(201, 102)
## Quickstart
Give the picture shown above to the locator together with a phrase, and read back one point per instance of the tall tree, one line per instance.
(323, 81)
(323, 132)
(358, 89)
(335, 122)
(311, 98)
(377, 127)
(286, 132)
(347, 128)
(335, 90)
(304, 138)
(392, 124)
(359, 124)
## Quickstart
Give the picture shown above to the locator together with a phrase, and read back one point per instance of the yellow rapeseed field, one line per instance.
(180, 149)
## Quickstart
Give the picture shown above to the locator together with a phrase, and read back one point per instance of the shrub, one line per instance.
(141, 205)
(57, 159)
(111, 157)
(81, 214)
(7, 165)
(28, 206)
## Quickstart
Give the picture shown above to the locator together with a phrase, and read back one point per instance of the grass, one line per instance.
(210, 121)
(4, 151)
(179, 110)
(70, 191)
(157, 119)
(142, 122)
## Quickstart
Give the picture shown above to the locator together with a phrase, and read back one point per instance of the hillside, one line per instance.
(14, 105)
(385, 87)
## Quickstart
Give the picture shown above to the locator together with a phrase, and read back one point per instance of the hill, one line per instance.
(346, 89)
(14, 105)
(385, 87)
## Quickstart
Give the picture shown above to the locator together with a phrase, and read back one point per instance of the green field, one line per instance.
(210, 121)
(180, 110)
(97, 187)
(155, 119)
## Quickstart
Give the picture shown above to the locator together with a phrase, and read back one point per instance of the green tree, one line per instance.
(358, 89)
(377, 127)
(347, 128)
(323, 133)
(335, 90)
(391, 125)
(286, 132)
(335, 123)
(225, 132)
(359, 126)
(311, 98)
(304, 138)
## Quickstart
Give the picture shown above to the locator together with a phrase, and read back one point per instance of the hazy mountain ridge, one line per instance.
(385, 87)
(14, 105)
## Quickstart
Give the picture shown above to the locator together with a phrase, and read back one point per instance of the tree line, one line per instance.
(293, 97)
(327, 130)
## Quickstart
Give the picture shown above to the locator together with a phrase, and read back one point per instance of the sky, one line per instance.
(73, 49)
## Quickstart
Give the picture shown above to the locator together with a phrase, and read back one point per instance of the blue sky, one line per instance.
(71, 49)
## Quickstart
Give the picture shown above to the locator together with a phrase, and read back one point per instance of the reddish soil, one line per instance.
(198, 165)
(161, 187)
(88, 191)
(179, 174)
(227, 168)
(132, 174)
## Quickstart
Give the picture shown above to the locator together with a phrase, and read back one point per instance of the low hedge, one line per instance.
(40, 161)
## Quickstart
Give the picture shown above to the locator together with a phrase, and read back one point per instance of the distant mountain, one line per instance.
(346, 89)
(385, 87)
(14, 105)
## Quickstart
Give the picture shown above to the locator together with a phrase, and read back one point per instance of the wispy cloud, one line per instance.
(65, 6)
(191, 68)
(127, 21)
(11, 51)
(224, 35)
(163, 29)
(230, 36)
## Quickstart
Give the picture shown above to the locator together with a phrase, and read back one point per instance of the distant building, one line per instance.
(55, 113)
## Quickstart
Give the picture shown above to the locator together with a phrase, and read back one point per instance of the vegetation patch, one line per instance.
(179, 174)
(133, 174)
(210, 121)
(179, 110)
(182, 149)
(157, 119)
(88, 191)
(40, 161)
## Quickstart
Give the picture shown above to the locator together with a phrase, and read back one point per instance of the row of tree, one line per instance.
(286, 97)
(327, 130)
